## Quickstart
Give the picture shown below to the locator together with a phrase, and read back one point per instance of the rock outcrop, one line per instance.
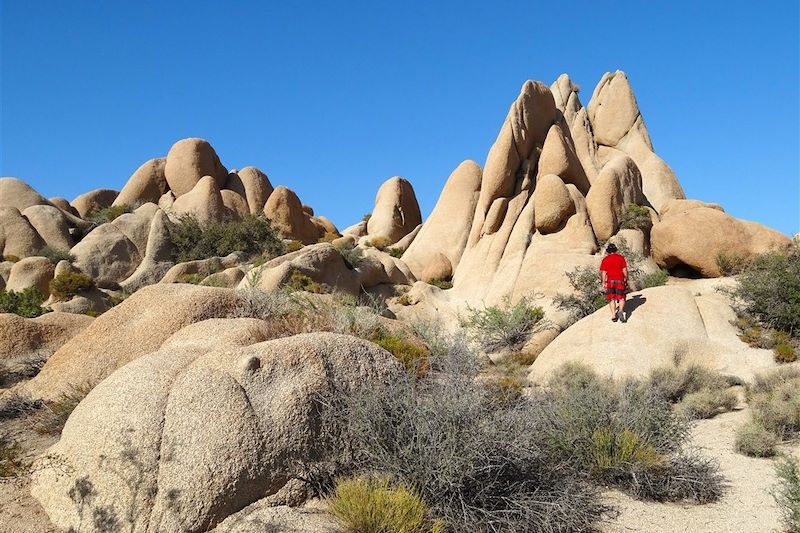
(94, 200)
(147, 184)
(188, 161)
(396, 211)
(286, 212)
(253, 185)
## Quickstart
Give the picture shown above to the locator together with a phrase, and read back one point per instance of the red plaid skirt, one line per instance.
(615, 290)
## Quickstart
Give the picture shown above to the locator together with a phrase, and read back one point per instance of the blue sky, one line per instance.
(333, 98)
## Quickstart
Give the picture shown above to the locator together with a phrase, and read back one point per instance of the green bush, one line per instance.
(380, 242)
(675, 383)
(787, 493)
(55, 255)
(769, 291)
(707, 403)
(443, 284)
(69, 284)
(26, 303)
(785, 353)
(755, 440)
(413, 356)
(107, 214)
(588, 294)
(730, 264)
(300, 282)
(508, 326)
(636, 217)
(774, 400)
(292, 246)
(351, 255)
(366, 505)
(252, 236)
(394, 252)
(654, 279)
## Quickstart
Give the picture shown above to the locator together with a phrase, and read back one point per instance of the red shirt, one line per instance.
(613, 265)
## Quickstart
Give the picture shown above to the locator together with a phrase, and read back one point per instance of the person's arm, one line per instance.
(625, 274)
(604, 277)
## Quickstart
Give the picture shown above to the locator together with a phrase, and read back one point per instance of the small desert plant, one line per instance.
(15, 404)
(588, 294)
(769, 291)
(394, 252)
(707, 403)
(443, 284)
(11, 258)
(413, 356)
(329, 236)
(787, 492)
(636, 217)
(192, 279)
(119, 297)
(785, 353)
(369, 505)
(352, 255)
(252, 236)
(774, 400)
(674, 383)
(50, 419)
(380, 242)
(654, 279)
(404, 300)
(730, 264)
(69, 284)
(301, 282)
(26, 303)
(366, 217)
(11, 462)
(54, 255)
(292, 246)
(107, 214)
(755, 440)
(507, 326)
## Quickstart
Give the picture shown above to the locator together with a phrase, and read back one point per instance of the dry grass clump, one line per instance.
(380, 242)
(11, 462)
(102, 215)
(503, 327)
(50, 419)
(329, 236)
(69, 284)
(443, 284)
(413, 356)
(774, 400)
(301, 282)
(698, 391)
(369, 505)
(708, 403)
(787, 492)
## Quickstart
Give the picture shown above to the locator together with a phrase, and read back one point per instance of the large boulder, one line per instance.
(560, 158)
(552, 204)
(664, 323)
(447, 228)
(203, 202)
(286, 212)
(235, 203)
(112, 251)
(147, 184)
(31, 272)
(51, 225)
(23, 338)
(16, 193)
(94, 201)
(396, 211)
(64, 205)
(618, 185)
(137, 326)
(200, 432)
(698, 237)
(188, 161)
(253, 185)
(17, 236)
(157, 258)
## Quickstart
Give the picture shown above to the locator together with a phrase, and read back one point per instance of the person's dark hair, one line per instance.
(611, 248)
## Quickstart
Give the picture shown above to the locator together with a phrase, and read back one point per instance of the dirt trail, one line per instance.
(747, 506)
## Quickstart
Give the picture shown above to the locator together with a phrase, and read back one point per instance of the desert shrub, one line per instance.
(54, 255)
(11, 257)
(588, 294)
(394, 252)
(636, 217)
(351, 255)
(755, 440)
(784, 353)
(50, 419)
(674, 383)
(654, 279)
(707, 403)
(730, 264)
(14, 404)
(11, 462)
(193, 279)
(69, 284)
(329, 236)
(366, 217)
(292, 246)
(787, 492)
(443, 284)
(26, 303)
(404, 300)
(413, 356)
(119, 297)
(252, 236)
(380, 242)
(301, 282)
(107, 214)
(18, 369)
(507, 326)
(369, 505)
(769, 291)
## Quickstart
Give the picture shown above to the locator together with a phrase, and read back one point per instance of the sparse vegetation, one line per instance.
(108, 214)
(508, 326)
(329, 236)
(252, 236)
(192, 279)
(352, 255)
(50, 419)
(443, 284)
(654, 279)
(588, 294)
(11, 257)
(55, 255)
(292, 246)
(14, 404)
(636, 217)
(366, 505)
(26, 303)
(366, 217)
(787, 492)
(69, 284)
(707, 403)
(11, 462)
(774, 400)
(380, 242)
(730, 264)
(394, 252)
(301, 282)
(755, 440)
(413, 356)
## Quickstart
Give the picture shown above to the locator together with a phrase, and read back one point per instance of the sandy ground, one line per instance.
(746, 507)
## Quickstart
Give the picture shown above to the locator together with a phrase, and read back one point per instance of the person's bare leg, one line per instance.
(623, 316)
(612, 304)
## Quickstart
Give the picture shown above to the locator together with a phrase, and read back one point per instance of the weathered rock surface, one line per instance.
(17, 236)
(157, 256)
(94, 201)
(51, 225)
(31, 272)
(698, 237)
(203, 431)
(285, 211)
(552, 203)
(40, 336)
(147, 184)
(618, 185)
(204, 202)
(253, 185)
(188, 161)
(396, 211)
(16, 193)
(137, 326)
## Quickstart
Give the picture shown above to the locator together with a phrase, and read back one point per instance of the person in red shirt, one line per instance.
(614, 270)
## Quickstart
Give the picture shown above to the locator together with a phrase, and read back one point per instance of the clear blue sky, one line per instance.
(332, 98)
